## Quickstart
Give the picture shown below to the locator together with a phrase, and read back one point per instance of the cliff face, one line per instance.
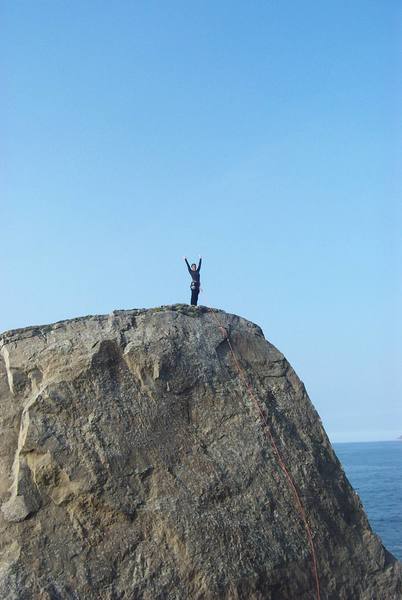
(133, 466)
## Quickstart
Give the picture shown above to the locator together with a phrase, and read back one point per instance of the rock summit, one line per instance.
(133, 465)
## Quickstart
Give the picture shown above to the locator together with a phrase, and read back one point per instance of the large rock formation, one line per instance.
(133, 466)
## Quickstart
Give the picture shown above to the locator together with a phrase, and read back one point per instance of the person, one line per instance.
(195, 280)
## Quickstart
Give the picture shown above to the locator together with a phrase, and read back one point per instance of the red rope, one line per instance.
(268, 434)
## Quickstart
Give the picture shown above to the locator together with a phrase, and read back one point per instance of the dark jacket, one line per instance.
(195, 275)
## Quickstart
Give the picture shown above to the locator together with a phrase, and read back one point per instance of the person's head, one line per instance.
(193, 267)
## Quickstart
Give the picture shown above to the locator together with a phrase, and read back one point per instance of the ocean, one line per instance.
(374, 469)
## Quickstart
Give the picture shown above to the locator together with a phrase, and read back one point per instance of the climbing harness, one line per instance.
(263, 418)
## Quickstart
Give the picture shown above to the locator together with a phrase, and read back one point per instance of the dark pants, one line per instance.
(194, 297)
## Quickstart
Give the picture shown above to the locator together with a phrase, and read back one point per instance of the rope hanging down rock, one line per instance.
(280, 461)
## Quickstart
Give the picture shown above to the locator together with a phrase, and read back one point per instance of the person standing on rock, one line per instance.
(195, 283)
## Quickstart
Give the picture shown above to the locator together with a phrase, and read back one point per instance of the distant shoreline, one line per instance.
(371, 442)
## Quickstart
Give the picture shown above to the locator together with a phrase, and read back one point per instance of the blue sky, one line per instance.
(263, 135)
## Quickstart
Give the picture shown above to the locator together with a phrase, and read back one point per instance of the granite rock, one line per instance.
(133, 465)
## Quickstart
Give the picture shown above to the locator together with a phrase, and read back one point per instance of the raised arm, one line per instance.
(188, 266)
(199, 264)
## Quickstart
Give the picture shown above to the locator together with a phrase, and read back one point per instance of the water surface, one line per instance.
(375, 471)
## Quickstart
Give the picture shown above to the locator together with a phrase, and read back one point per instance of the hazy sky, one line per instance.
(263, 135)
